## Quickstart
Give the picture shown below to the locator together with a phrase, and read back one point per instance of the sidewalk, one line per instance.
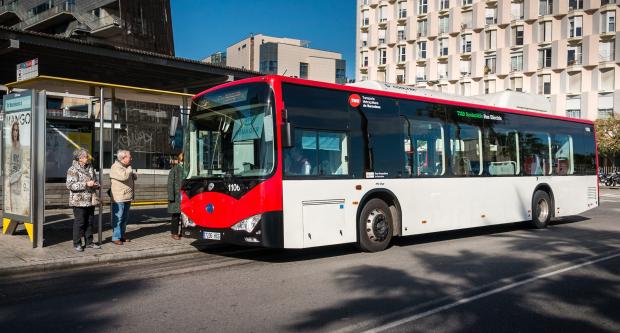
(148, 229)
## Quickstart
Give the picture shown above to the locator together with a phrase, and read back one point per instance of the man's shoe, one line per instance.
(117, 242)
(176, 237)
(79, 248)
(126, 240)
(93, 246)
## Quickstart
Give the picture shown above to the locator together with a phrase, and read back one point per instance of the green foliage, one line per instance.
(608, 137)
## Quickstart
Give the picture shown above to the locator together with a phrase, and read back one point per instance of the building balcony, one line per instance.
(62, 13)
(10, 14)
(106, 26)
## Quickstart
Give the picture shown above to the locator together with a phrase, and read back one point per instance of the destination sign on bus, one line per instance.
(477, 115)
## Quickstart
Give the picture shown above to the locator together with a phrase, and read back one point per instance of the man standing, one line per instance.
(122, 178)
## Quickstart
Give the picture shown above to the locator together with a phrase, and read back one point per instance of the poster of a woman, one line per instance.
(17, 168)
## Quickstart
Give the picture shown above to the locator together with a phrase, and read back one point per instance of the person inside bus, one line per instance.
(296, 163)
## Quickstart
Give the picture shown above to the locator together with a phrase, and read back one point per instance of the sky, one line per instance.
(203, 27)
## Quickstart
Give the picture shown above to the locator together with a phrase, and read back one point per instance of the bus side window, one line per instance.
(466, 150)
(428, 148)
(500, 152)
(536, 152)
(563, 162)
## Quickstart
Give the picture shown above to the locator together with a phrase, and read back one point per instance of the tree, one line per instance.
(608, 139)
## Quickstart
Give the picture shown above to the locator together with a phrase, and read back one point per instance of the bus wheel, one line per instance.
(541, 209)
(375, 226)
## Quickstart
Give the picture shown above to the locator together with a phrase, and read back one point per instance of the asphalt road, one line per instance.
(500, 279)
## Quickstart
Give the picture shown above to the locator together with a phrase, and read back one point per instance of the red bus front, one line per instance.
(233, 186)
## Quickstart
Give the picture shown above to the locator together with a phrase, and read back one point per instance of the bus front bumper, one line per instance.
(268, 232)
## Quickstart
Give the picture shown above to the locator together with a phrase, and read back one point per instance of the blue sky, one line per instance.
(202, 27)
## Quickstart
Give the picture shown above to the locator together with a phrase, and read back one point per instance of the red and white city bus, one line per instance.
(289, 163)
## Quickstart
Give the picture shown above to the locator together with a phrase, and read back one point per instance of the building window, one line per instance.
(607, 50)
(364, 59)
(402, 10)
(574, 55)
(444, 22)
(422, 50)
(516, 62)
(608, 21)
(365, 18)
(381, 75)
(443, 47)
(466, 2)
(545, 31)
(442, 70)
(444, 4)
(606, 79)
(402, 53)
(465, 68)
(517, 35)
(466, 20)
(341, 75)
(422, 28)
(466, 43)
(575, 4)
(489, 65)
(516, 83)
(303, 70)
(382, 56)
(605, 105)
(401, 33)
(364, 39)
(383, 14)
(544, 58)
(381, 36)
(422, 7)
(516, 10)
(269, 67)
(420, 74)
(489, 86)
(400, 76)
(466, 88)
(573, 106)
(490, 39)
(490, 15)
(544, 84)
(575, 25)
(545, 7)
(574, 83)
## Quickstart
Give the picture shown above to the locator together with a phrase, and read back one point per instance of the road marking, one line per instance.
(470, 299)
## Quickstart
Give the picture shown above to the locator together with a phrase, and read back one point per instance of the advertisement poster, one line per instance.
(16, 149)
(61, 142)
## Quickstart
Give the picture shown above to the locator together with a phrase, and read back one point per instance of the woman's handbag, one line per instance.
(94, 199)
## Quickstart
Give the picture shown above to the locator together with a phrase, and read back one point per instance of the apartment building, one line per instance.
(286, 56)
(566, 50)
(140, 24)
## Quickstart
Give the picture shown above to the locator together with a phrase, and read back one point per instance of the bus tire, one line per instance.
(375, 227)
(542, 208)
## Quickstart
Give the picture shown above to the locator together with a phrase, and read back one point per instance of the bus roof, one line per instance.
(271, 79)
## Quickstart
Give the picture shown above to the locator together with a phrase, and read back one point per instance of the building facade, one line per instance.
(139, 24)
(565, 50)
(286, 56)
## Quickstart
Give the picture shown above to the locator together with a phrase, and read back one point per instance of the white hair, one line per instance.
(79, 153)
(121, 154)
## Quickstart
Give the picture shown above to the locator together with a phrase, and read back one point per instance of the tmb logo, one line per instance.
(355, 100)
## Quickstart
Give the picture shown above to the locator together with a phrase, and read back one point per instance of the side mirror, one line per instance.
(287, 135)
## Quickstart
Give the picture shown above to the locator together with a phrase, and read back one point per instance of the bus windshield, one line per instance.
(231, 133)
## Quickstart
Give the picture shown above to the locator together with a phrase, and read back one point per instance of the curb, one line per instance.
(57, 264)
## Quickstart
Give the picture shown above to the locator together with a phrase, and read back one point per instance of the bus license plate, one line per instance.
(211, 235)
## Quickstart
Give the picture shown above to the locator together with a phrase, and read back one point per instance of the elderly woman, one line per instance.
(82, 198)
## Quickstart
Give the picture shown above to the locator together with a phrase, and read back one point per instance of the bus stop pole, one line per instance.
(101, 101)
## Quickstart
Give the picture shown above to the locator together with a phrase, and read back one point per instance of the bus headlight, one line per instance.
(186, 221)
(248, 224)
